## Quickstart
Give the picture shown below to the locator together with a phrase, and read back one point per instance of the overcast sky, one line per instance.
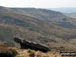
(38, 3)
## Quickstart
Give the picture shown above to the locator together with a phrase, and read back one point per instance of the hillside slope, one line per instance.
(41, 13)
(72, 15)
(48, 15)
(13, 23)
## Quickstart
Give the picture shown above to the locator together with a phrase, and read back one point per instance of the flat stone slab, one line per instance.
(25, 44)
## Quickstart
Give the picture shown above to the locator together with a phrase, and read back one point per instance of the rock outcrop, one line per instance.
(25, 44)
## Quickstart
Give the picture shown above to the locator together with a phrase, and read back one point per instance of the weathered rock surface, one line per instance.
(25, 44)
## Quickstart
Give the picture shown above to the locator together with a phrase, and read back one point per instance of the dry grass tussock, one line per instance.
(17, 52)
(32, 53)
(6, 51)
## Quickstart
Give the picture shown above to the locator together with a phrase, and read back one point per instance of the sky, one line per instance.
(38, 3)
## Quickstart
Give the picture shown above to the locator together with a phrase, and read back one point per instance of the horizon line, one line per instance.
(36, 7)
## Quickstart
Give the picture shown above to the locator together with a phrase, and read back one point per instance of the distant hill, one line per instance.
(64, 10)
(48, 15)
(39, 25)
